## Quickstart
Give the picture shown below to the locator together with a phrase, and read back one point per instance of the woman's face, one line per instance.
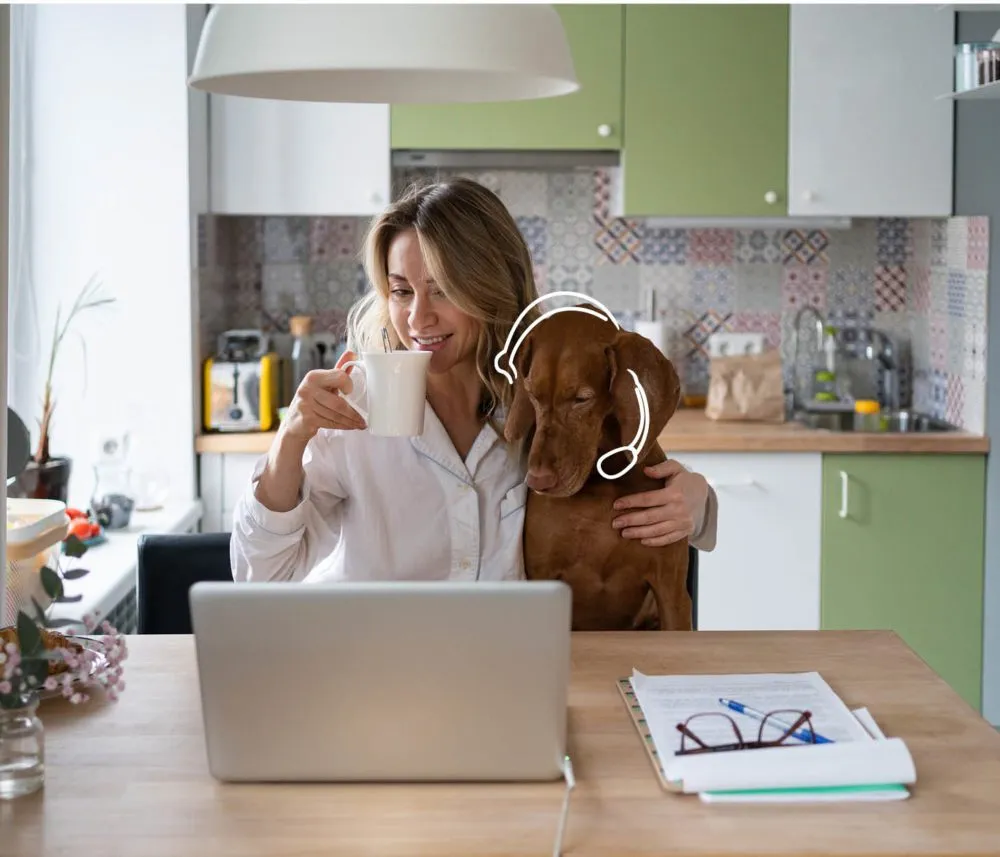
(424, 319)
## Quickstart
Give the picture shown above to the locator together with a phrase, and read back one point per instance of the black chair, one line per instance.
(169, 565)
(692, 585)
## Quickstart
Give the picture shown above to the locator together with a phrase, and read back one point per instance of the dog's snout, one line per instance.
(541, 479)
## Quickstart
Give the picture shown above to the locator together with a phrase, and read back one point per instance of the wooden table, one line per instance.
(130, 778)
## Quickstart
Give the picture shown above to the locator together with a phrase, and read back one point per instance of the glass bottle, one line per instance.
(22, 751)
(304, 355)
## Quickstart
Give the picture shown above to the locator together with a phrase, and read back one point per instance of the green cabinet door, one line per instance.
(706, 110)
(903, 550)
(567, 122)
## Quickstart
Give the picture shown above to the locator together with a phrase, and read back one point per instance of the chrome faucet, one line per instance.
(820, 324)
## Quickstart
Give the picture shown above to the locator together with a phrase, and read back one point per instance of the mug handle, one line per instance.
(348, 397)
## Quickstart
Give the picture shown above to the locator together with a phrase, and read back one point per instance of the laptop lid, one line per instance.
(402, 681)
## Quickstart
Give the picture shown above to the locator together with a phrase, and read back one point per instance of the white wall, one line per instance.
(107, 156)
(4, 125)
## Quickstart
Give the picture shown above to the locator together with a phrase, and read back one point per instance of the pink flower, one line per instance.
(15, 659)
(121, 685)
(10, 649)
(5, 687)
(112, 694)
(51, 683)
(76, 698)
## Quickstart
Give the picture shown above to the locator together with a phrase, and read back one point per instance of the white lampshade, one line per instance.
(384, 53)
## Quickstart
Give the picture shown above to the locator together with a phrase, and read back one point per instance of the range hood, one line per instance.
(507, 159)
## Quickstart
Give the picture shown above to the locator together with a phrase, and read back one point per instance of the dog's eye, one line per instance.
(584, 397)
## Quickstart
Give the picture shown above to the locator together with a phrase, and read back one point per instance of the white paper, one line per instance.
(853, 759)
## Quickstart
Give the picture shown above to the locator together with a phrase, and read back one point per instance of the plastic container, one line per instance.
(867, 415)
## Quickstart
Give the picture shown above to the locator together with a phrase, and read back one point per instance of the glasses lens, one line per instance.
(778, 726)
(709, 730)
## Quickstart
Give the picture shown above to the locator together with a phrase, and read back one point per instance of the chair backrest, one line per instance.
(169, 565)
(692, 585)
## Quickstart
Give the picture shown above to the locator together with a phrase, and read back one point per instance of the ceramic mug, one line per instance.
(396, 382)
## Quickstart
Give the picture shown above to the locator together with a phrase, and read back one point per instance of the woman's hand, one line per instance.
(317, 405)
(668, 514)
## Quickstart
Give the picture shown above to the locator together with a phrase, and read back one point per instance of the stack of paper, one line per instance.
(860, 763)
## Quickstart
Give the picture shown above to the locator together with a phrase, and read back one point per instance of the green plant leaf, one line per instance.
(28, 635)
(41, 620)
(51, 583)
(74, 547)
(69, 599)
(75, 573)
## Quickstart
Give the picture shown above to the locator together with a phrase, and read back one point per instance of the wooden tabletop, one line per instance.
(130, 778)
(691, 431)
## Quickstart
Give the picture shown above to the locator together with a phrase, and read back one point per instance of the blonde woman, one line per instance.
(450, 274)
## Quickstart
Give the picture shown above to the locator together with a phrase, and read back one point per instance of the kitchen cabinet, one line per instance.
(706, 110)
(590, 118)
(903, 550)
(223, 478)
(867, 136)
(764, 573)
(298, 158)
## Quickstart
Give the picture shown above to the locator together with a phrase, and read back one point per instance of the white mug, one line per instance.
(397, 388)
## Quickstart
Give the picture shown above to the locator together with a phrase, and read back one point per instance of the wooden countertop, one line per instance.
(692, 431)
(131, 777)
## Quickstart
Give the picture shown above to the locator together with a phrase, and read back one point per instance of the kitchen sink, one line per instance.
(893, 422)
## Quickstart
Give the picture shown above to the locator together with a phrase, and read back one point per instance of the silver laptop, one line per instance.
(434, 681)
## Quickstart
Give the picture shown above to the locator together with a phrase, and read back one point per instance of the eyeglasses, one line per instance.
(710, 732)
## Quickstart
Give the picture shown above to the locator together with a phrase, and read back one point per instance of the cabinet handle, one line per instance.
(604, 130)
(844, 491)
(745, 483)
(808, 196)
(770, 197)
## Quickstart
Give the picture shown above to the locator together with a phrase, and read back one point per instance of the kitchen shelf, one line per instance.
(987, 90)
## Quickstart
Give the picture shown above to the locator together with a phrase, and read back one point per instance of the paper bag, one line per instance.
(746, 387)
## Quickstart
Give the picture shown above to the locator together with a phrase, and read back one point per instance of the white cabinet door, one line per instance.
(298, 158)
(764, 571)
(210, 470)
(236, 477)
(866, 135)
(223, 479)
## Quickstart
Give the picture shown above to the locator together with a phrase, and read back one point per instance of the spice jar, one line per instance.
(867, 416)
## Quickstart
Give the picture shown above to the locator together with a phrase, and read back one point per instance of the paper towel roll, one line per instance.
(656, 332)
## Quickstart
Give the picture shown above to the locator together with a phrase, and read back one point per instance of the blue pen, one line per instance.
(802, 734)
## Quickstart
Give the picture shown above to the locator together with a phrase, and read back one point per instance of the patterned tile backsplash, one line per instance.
(921, 281)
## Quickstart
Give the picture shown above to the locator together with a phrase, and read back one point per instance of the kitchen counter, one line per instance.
(691, 431)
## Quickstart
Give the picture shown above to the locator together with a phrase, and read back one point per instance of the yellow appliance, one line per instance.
(242, 383)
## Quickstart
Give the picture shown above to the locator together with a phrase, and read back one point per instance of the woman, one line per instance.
(450, 273)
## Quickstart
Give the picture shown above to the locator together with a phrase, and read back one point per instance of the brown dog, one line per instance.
(574, 392)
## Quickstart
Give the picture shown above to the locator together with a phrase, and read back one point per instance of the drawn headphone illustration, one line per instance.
(508, 352)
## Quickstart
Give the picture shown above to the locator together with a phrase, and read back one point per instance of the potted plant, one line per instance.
(46, 477)
(36, 662)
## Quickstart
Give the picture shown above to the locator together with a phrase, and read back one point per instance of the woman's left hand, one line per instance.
(668, 514)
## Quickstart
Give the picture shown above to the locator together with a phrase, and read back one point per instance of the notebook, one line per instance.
(859, 764)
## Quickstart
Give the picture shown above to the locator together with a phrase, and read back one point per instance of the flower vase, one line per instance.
(22, 751)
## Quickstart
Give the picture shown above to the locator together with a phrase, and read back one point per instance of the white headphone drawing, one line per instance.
(639, 441)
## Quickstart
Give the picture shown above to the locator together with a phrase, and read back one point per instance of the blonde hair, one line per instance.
(478, 258)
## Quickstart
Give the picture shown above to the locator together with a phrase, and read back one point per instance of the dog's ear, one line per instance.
(656, 375)
(521, 417)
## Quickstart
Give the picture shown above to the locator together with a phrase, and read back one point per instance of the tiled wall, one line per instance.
(921, 281)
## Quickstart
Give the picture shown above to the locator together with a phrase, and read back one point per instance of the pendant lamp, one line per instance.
(384, 53)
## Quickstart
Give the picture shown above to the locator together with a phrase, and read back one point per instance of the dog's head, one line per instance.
(573, 389)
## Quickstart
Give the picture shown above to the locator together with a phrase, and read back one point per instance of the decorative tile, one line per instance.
(618, 240)
(974, 419)
(973, 365)
(893, 242)
(757, 246)
(920, 237)
(540, 273)
(570, 276)
(939, 290)
(919, 290)
(939, 243)
(704, 326)
(243, 297)
(954, 400)
(285, 288)
(854, 246)
(890, 288)
(535, 232)
(711, 288)
(978, 243)
(956, 293)
(975, 293)
(570, 194)
(852, 289)
(570, 241)
(768, 323)
(710, 246)
(956, 345)
(525, 193)
(850, 319)
(603, 191)
(335, 239)
(957, 231)
(617, 287)
(664, 246)
(247, 236)
(939, 342)
(758, 287)
(694, 373)
(804, 286)
(286, 239)
(805, 247)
